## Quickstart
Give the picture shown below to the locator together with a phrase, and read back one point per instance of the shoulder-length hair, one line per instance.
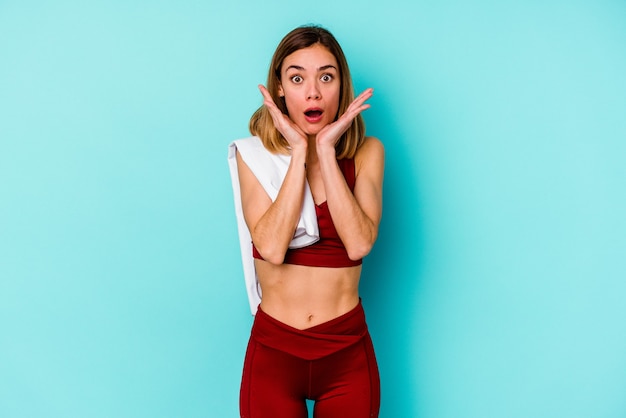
(261, 123)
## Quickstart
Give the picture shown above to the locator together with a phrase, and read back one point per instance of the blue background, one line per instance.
(496, 288)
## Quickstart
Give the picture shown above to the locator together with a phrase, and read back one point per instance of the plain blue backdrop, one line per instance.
(496, 288)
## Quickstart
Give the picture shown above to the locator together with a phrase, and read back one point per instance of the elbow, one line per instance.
(269, 247)
(359, 251)
(271, 255)
(275, 259)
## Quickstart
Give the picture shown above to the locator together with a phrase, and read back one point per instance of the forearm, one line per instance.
(275, 228)
(357, 230)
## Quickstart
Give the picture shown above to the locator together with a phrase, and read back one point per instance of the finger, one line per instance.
(365, 94)
(265, 92)
(354, 109)
(281, 120)
(267, 97)
(276, 114)
(363, 97)
(369, 92)
(358, 105)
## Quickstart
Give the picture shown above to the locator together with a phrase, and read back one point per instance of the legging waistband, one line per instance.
(311, 343)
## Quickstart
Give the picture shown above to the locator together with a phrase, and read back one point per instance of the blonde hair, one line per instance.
(261, 123)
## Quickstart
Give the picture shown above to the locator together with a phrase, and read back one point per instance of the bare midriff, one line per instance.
(303, 296)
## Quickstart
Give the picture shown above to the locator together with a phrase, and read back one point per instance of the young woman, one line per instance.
(309, 339)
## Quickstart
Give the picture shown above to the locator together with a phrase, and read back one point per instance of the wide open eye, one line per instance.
(296, 79)
(326, 78)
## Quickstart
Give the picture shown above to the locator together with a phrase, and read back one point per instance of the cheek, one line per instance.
(333, 97)
(290, 101)
(291, 106)
(334, 107)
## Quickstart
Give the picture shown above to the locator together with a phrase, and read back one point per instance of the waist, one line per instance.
(313, 342)
(305, 296)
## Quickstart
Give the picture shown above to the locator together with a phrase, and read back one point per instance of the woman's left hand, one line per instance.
(330, 134)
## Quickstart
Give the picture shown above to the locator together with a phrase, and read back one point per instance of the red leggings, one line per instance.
(332, 363)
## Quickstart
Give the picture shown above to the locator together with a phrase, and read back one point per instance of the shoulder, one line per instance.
(251, 142)
(370, 145)
(369, 160)
(371, 151)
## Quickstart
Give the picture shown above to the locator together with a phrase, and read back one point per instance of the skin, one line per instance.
(303, 296)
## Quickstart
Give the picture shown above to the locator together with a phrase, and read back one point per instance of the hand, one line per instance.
(292, 133)
(330, 134)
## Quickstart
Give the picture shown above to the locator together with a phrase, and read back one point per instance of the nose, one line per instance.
(313, 92)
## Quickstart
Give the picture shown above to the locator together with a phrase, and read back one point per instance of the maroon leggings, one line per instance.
(332, 363)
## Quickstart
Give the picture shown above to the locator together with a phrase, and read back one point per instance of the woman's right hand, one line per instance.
(292, 133)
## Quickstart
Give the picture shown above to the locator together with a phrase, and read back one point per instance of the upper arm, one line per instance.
(368, 189)
(254, 199)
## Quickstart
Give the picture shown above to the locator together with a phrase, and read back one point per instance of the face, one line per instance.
(311, 84)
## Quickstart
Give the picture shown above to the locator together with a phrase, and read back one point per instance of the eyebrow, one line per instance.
(322, 68)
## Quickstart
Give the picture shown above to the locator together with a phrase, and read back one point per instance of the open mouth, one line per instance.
(313, 115)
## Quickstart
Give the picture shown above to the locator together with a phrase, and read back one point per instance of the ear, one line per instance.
(281, 92)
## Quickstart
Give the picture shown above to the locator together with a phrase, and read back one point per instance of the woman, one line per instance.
(309, 339)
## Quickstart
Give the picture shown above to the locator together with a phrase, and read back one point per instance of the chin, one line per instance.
(310, 129)
(313, 132)
(314, 129)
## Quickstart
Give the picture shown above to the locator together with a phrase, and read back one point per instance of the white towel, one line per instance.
(270, 169)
